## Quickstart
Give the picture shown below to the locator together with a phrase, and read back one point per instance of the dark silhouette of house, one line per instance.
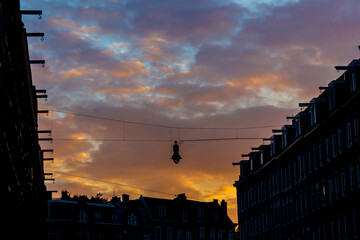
(305, 184)
(22, 189)
(185, 219)
(143, 218)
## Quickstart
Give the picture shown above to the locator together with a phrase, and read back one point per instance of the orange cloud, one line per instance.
(126, 90)
(277, 81)
(127, 69)
(78, 72)
(153, 40)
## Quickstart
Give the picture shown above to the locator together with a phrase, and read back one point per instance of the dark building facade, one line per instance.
(22, 188)
(305, 184)
(144, 218)
(183, 219)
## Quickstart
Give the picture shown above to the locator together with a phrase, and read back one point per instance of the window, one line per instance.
(323, 194)
(343, 183)
(270, 185)
(335, 146)
(212, 234)
(356, 222)
(179, 235)
(53, 233)
(82, 215)
(200, 212)
(358, 174)
(352, 178)
(284, 140)
(185, 217)
(282, 181)
(297, 127)
(303, 166)
(320, 149)
(273, 183)
(340, 139)
(230, 234)
(295, 171)
(353, 81)
(188, 235)
(132, 219)
(312, 116)
(219, 234)
(202, 233)
(349, 135)
(285, 178)
(147, 236)
(162, 211)
(83, 234)
(300, 167)
(97, 215)
(336, 187)
(158, 233)
(100, 236)
(328, 149)
(216, 215)
(310, 162)
(301, 205)
(169, 233)
(289, 175)
(356, 129)
(331, 190)
(318, 195)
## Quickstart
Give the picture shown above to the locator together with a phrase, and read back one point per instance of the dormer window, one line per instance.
(162, 211)
(185, 215)
(312, 115)
(353, 81)
(284, 140)
(298, 127)
(200, 212)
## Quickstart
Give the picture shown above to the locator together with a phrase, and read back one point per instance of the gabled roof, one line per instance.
(175, 209)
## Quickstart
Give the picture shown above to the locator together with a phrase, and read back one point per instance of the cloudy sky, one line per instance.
(189, 69)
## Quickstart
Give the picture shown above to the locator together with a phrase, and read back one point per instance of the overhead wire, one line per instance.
(158, 140)
(113, 183)
(124, 122)
(157, 125)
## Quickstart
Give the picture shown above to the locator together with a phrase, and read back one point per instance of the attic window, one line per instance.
(162, 211)
(200, 212)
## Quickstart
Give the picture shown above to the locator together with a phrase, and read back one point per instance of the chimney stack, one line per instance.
(181, 196)
(224, 206)
(125, 198)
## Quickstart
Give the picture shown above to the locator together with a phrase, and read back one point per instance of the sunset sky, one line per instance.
(187, 68)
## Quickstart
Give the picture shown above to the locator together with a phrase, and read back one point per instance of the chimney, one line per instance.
(215, 201)
(125, 198)
(181, 196)
(224, 206)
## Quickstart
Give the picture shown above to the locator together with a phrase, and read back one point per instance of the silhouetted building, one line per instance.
(69, 219)
(144, 218)
(306, 183)
(183, 219)
(22, 188)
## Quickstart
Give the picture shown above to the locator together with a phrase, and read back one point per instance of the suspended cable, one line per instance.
(158, 140)
(159, 125)
(113, 183)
